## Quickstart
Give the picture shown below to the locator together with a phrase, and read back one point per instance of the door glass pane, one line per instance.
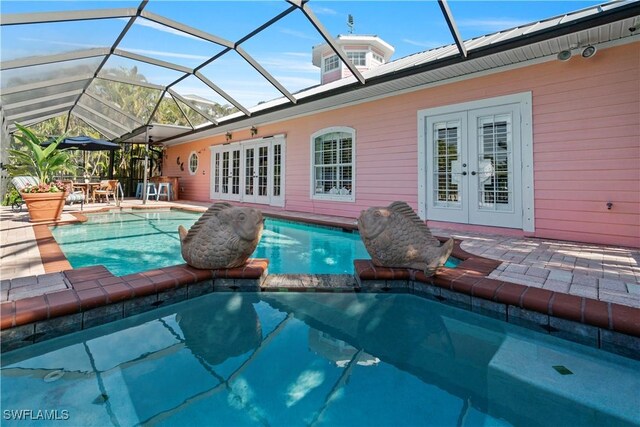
(248, 172)
(263, 170)
(447, 168)
(235, 172)
(225, 172)
(216, 174)
(495, 165)
(277, 165)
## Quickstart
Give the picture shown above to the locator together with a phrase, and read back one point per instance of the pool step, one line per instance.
(309, 283)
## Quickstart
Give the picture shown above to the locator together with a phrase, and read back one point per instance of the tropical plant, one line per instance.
(11, 197)
(42, 162)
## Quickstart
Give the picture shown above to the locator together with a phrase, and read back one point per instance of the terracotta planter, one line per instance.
(44, 206)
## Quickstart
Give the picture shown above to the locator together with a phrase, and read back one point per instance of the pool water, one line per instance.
(289, 359)
(132, 242)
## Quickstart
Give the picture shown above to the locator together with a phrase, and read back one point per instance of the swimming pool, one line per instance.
(131, 242)
(318, 359)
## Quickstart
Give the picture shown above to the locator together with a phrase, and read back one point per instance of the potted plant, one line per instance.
(45, 200)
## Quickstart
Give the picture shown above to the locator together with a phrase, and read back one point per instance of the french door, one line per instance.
(474, 166)
(256, 174)
(227, 173)
(249, 171)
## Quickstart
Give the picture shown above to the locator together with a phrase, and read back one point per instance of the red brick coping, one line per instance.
(93, 287)
(470, 278)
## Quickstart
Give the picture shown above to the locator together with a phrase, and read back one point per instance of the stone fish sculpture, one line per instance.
(395, 236)
(223, 237)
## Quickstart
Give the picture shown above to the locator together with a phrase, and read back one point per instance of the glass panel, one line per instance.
(118, 66)
(284, 50)
(116, 130)
(447, 171)
(105, 110)
(42, 92)
(43, 39)
(39, 73)
(263, 170)
(277, 169)
(227, 19)
(50, 127)
(79, 127)
(235, 172)
(248, 171)
(24, 110)
(216, 173)
(56, 6)
(225, 172)
(194, 117)
(494, 163)
(169, 113)
(166, 44)
(136, 100)
(204, 98)
(240, 80)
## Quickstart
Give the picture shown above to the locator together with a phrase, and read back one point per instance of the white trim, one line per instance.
(193, 153)
(524, 100)
(332, 197)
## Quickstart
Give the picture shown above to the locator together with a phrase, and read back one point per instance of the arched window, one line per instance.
(333, 164)
(193, 162)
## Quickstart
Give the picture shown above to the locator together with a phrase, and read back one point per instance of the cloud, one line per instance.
(60, 43)
(319, 10)
(151, 24)
(424, 44)
(495, 24)
(271, 62)
(298, 34)
(299, 54)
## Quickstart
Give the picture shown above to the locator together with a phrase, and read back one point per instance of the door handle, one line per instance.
(473, 172)
(464, 173)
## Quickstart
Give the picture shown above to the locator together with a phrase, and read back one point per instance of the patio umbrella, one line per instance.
(85, 143)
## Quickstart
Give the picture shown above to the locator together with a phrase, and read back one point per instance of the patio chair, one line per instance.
(20, 182)
(74, 196)
(107, 188)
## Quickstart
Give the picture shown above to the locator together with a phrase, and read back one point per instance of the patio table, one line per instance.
(88, 188)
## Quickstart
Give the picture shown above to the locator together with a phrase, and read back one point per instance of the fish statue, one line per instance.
(224, 237)
(395, 236)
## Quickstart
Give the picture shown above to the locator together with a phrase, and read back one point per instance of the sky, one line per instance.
(284, 49)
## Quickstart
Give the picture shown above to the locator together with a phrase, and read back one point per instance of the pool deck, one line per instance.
(32, 263)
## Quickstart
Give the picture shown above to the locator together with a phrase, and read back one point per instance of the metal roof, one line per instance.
(79, 83)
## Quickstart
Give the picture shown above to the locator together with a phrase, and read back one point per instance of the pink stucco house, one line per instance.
(533, 133)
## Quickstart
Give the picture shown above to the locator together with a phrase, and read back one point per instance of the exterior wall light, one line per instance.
(589, 51)
(254, 131)
(228, 135)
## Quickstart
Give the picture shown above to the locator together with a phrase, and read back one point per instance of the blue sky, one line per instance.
(283, 49)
